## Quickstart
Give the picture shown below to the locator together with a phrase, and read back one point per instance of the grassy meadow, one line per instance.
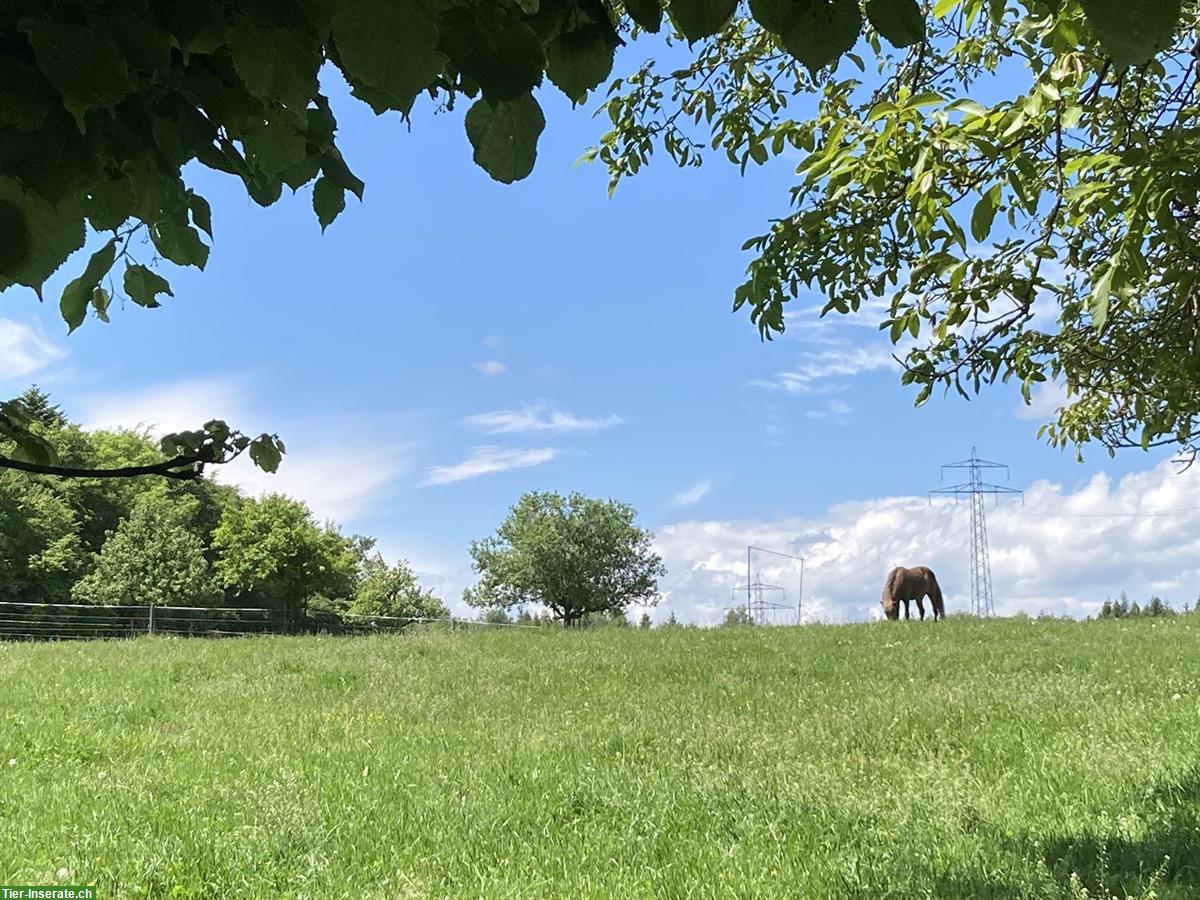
(1008, 758)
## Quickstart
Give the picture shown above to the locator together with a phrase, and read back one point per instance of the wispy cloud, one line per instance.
(693, 495)
(491, 367)
(833, 409)
(488, 460)
(819, 372)
(538, 418)
(24, 349)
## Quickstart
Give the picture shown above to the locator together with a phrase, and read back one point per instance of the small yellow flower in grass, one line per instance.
(12, 762)
(1176, 696)
(101, 775)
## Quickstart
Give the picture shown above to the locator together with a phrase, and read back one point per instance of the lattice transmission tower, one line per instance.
(976, 488)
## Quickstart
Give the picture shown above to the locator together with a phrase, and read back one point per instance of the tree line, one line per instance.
(198, 542)
(175, 542)
(1121, 608)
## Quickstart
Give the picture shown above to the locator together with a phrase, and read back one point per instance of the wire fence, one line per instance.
(76, 621)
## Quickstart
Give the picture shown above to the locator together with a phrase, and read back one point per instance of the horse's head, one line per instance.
(891, 608)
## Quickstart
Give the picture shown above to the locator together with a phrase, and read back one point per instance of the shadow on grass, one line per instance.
(1165, 860)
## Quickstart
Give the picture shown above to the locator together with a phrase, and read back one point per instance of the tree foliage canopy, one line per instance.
(273, 555)
(104, 104)
(153, 556)
(140, 541)
(1019, 190)
(385, 590)
(574, 555)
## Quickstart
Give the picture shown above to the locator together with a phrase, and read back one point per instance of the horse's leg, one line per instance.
(906, 609)
(921, 608)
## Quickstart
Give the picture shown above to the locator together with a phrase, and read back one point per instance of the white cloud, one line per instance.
(486, 460)
(1061, 553)
(537, 418)
(491, 367)
(166, 408)
(693, 495)
(24, 349)
(1044, 401)
(337, 482)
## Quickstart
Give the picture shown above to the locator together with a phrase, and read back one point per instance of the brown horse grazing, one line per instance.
(904, 585)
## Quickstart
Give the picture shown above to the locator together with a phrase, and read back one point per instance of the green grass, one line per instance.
(962, 759)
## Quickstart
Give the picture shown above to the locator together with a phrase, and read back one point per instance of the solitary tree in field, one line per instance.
(573, 555)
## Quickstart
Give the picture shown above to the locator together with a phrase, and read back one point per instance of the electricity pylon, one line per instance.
(976, 488)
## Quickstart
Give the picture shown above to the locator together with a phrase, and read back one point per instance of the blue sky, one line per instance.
(451, 342)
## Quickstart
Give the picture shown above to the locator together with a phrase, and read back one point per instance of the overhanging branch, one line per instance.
(184, 468)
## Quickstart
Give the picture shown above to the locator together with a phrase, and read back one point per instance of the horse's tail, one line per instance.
(935, 594)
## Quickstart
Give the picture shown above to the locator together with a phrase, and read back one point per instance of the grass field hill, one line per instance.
(1007, 758)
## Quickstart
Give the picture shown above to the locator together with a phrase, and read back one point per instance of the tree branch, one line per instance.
(171, 468)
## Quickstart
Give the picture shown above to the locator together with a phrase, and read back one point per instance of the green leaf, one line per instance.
(899, 21)
(1101, 291)
(180, 244)
(42, 236)
(329, 199)
(580, 60)
(984, 214)
(25, 97)
(274, 146)
(143, 286)
(100, 300)
(85, 68)
(697, 19)
(820, 36)
(14, 249)
(388, 47)
(265, 453)
(336, 170)
(110, 202)
(276, 63)
(201, 212)
(100, 262)
(1131, 33)
(646, 13)
(494, 47)
(779, 16)
(81, 291)
(504, 135)
(74, 302)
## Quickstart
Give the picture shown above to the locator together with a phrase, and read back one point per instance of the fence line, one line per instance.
(79, 621)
